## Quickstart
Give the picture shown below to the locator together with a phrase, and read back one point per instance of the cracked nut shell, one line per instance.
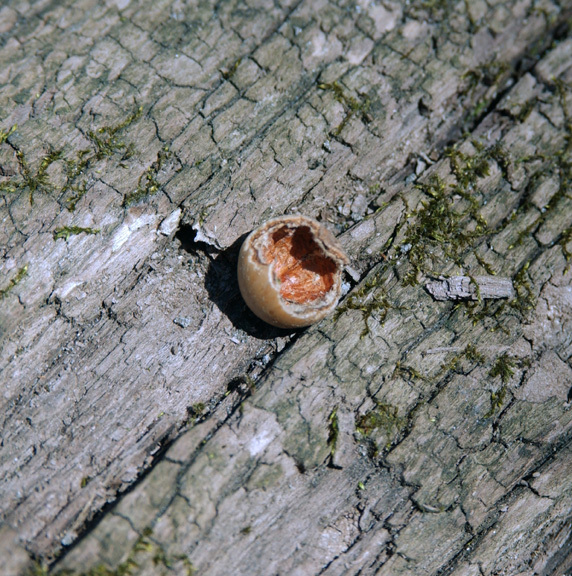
(290, 270)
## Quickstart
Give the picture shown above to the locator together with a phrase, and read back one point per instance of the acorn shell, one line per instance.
(289, 271)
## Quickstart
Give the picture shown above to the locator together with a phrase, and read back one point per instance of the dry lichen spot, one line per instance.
(289, 271)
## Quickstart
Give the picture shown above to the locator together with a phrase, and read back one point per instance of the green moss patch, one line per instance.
(14, 282)
(352, 105)
(148, 184)
(66, 231)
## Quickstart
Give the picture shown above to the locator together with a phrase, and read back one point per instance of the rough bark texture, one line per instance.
(150, 423)
(470, 288)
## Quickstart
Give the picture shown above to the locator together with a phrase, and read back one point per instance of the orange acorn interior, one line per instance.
(305, 273)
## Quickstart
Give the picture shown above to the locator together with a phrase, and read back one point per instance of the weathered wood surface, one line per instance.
(404, 435)
(470, 288)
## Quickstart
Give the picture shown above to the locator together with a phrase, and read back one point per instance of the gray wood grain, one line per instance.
(471, 288)
(402, 436)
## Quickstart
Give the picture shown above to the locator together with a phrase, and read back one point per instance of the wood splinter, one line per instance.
(470, 288)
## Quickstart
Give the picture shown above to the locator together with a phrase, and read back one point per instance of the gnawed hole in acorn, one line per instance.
(305, 273)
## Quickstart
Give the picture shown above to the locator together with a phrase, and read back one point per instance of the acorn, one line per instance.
(290, 271)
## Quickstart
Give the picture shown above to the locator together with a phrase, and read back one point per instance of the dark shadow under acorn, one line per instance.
(221, 284)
